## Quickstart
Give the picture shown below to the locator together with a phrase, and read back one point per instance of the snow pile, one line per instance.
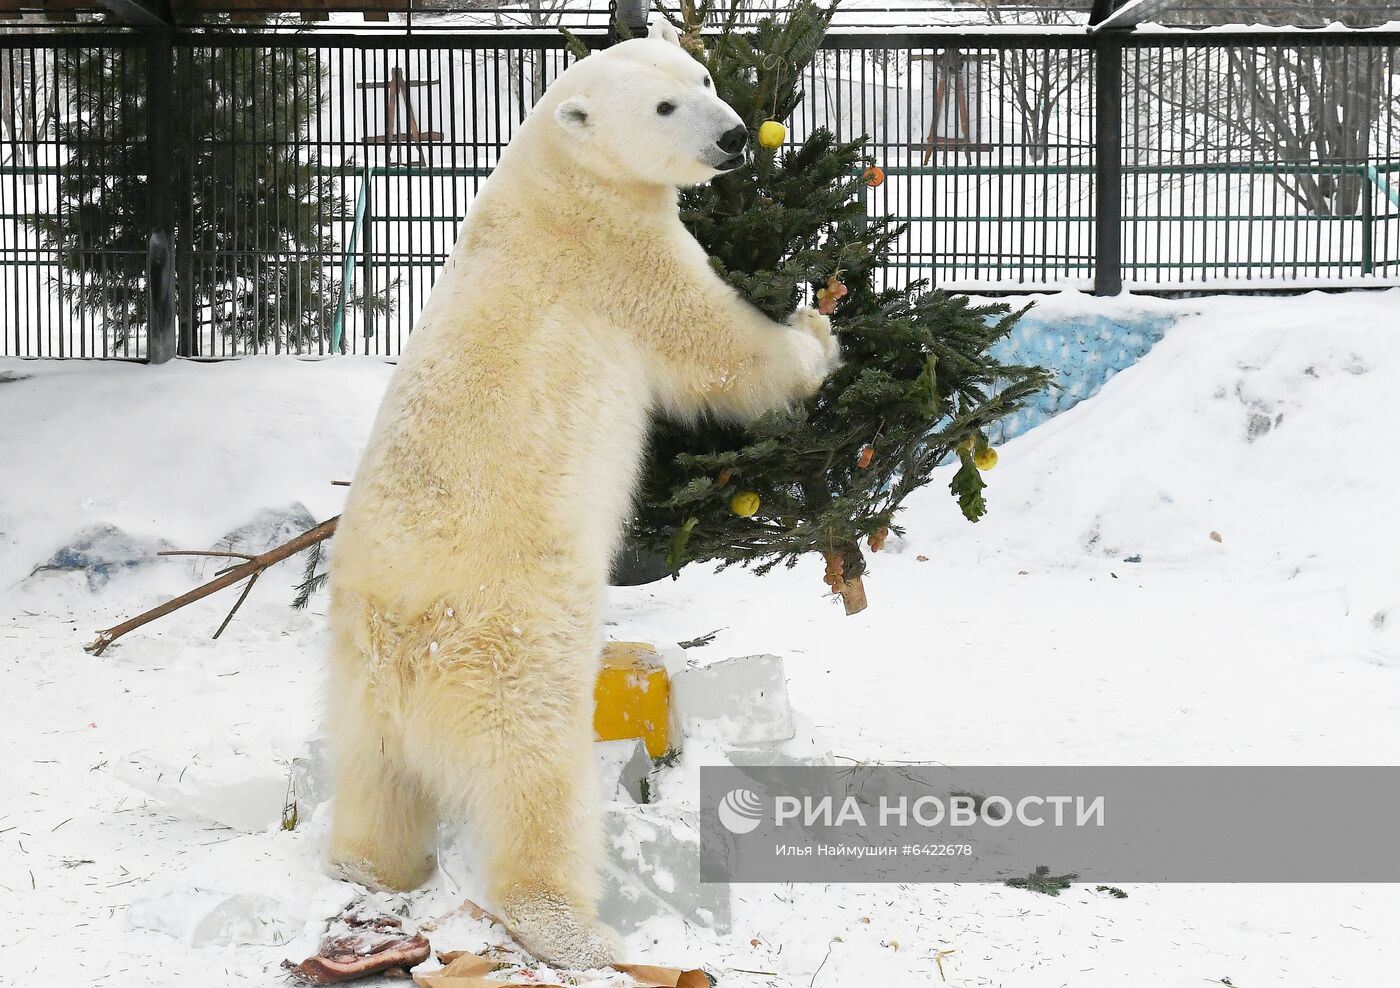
(1085, 342)
(204, 918)
(184, 453)
(1262, 421)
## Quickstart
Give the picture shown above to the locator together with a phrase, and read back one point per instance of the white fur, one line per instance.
(472, 556)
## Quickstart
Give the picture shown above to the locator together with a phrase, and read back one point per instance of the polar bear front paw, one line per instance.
(815, 328)
(818, 326)
(555, 933)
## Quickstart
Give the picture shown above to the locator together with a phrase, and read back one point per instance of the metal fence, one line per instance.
(315, 182)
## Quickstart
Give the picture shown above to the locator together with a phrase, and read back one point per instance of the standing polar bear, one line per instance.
(472, 557)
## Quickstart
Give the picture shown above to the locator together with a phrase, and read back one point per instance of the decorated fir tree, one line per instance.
(918, 384)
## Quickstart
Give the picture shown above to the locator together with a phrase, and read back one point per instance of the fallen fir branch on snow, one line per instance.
(1042, 881)
(250, 569)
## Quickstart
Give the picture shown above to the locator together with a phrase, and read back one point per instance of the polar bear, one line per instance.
(472, 557)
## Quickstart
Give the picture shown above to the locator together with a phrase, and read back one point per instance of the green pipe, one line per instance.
(1246, 168)
(1391, 193)
(347, 271)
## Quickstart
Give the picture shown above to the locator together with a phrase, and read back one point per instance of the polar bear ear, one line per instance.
(663, 29)
(573, 116)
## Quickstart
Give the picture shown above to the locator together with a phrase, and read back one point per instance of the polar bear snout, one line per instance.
(734, 139)
(724, 132)
(732, 143)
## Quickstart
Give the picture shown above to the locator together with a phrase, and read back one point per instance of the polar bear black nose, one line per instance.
(733, 140)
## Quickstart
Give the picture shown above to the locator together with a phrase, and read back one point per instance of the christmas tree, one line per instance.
(249, 186)
(918, 385)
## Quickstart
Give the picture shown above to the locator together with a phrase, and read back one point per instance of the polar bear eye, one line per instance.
(665, 109)
(707, 82)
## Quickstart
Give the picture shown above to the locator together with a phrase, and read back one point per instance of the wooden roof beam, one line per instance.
(140, 13)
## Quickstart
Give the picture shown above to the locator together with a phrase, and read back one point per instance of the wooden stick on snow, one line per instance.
(250, 569)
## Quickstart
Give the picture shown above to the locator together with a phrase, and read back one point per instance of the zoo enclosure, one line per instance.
(312, 183)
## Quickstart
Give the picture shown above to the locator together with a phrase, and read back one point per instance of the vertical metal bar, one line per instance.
(433, 120)
(367, 224)
(38, 272)
(914, 245)
(188, 342)
(161, 338)
(233, 256)
(257, 159)
(295, 156)
(22, 307)
(12, 256)
(9, 345)
(79, 155)
(321, 186)
(1108, 163)
(1183, 207)
(1061, 65)
(12, 234)
(1205, 181)
(273, 241)
(1133, 253)
(1166, 62)
(232, 259)
(1392, 54)
(341, 135)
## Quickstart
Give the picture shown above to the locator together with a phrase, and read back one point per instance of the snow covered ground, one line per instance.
(1026, 639)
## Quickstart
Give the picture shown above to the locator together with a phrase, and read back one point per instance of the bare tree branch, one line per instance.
(249, 570)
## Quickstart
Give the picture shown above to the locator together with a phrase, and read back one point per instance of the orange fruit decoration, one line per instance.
(828, 297)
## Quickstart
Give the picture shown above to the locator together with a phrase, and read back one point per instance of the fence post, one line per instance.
(1368, 220)
(1108, 162)
(633, 13)
(188, 342)
(161, 330)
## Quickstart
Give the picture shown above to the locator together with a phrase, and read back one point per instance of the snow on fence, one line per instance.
(318, 182)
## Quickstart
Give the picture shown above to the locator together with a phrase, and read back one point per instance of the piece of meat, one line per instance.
(359, 945)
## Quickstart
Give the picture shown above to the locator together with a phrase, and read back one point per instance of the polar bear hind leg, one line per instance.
(540, 833)
(384, 834)
(503, 725)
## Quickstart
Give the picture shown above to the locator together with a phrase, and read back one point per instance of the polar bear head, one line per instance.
(647, 111)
